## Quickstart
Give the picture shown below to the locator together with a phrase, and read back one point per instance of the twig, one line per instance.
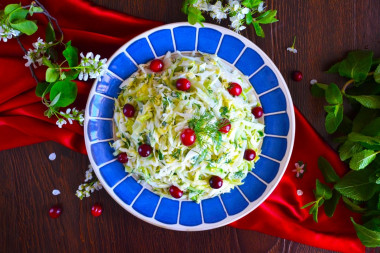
(30, 66)
(50, 18)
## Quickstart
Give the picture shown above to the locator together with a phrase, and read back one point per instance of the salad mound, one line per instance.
(182, 131)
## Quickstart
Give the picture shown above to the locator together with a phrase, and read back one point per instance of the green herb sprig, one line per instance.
(359, 137)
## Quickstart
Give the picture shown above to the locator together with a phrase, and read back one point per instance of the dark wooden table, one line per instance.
(325, 30)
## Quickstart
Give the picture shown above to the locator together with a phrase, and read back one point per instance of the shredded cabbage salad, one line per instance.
(163, 111)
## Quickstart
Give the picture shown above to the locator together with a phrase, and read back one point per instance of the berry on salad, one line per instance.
(156, 65)
(216, 182)
(257, 112)
(122, 157)
(188, 137)
(249, 154)
(175, 192)
(225, 125)
(235, 89)
(145, 150)
(129, 110)
(183, 84)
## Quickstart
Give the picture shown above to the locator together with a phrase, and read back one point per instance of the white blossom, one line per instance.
(60, 122)
(35, 55)
(52, 156)
(93, 67)
(313, 81)
(85, 189)
(261, 7)
(7, 32)
(56, 192)
(291, 49)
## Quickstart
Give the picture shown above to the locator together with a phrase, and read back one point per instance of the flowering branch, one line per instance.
(239, 13)
(58, 89)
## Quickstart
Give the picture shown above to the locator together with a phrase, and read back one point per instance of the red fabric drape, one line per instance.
(103, 31)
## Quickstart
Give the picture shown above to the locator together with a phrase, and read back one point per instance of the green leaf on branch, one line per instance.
(330, 204)
(373, 128)
(52, 75)
(71, 54)
(41, 89)
(194, 16)
(333, 94)
(248, 18)
(47, 62)
(333, 118)
(353, 206)
(356, 185)
(259, 30)
(50, 34)
(35, 9)
(267, 17)
(251, 3)
(362, 159)
(366, 141)
(369, 238)
(67, 92)
(369, 101)
(18, 15)
(11, 7)
(356, 65)
(327, 170)
(376, 74)
(25, 26)
(362, 118)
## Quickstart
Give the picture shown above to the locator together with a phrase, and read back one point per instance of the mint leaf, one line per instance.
(352, 206)
(334, 69)
(362, 118)
(11, 7)
(372, 102)
(251, 3)
(368, 237)
(51, 75)
(71, 54)
(248, 18)
(333, 118)
(50, 34)
(356, 185)
(376, 74)
(330, 204)
(362, 159)
(25, 26)
(366, 141)
(348, 149)
(327, 170)
(259, 30)
(318, 89)
(333, 94)
(35, 9)
(267, 17)
(357, 65)
(373, 128)
(322, 190)
(67, 90)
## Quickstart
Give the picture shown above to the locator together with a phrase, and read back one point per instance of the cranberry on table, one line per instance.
(129, 110)
(235, 89)
(175, 192)
(183, 84)
(145, 150)
(226, 126)
(55, 212)
(96, 210)
(297, 76)
(249, 154)
(122, 157)
(156, 65)
(216, 182)
(257, 112)
(188, 137)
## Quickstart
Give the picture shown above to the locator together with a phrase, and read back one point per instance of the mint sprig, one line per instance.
(359, 135)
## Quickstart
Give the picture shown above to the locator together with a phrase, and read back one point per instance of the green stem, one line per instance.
(352, 81)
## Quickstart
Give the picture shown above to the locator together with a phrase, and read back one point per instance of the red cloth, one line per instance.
(103, 31)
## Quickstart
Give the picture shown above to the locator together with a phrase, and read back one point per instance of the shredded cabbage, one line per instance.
(163, 111)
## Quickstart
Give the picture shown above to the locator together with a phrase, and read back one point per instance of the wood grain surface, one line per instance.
(326, 30)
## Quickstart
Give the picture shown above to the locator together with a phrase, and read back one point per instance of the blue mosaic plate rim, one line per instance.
(278, 116)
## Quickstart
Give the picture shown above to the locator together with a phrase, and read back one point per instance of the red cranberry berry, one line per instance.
(249, 154)
(188, 137)
(175, 192)
(145, 150)
(96, 210)
(183, 84)
(257, 112)
(297, 76)
(129, 110)
(216, 182)
(156, 65)
(226, 126)
(55, 212)
(122, 157)
(235, 89)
